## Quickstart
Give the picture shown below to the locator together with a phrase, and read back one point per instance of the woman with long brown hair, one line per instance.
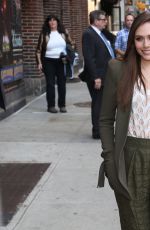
(125, 128)
(51, 54)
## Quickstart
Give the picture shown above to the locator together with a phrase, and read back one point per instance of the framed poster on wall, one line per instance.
(10, 41)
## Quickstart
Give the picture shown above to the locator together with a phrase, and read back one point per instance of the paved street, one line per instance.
(66, 197)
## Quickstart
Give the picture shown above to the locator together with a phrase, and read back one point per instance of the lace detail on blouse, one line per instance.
(139, 123)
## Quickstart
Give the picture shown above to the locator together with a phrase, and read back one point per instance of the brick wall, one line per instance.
(52, 6)
(79, 21)
(32, 19)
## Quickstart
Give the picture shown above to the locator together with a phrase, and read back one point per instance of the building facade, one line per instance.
(22, 21)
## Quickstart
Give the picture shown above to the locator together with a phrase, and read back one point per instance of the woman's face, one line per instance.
(53, 24)
(142, 41)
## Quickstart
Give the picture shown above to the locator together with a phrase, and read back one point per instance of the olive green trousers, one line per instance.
(135, 213)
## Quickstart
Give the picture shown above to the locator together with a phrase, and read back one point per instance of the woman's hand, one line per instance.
(111, 174)
(97, 83)
(40, 67)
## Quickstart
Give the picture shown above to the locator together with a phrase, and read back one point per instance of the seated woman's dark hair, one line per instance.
(46, 28)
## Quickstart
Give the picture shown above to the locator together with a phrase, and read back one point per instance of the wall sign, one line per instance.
(11, 64)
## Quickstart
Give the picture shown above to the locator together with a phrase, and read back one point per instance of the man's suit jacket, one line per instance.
(113, 138)
(95, 53)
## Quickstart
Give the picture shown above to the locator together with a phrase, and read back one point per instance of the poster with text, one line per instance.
(10, 41)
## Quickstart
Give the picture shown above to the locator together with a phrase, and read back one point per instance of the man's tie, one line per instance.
(107, 43)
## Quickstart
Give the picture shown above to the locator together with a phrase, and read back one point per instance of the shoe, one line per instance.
(52, 110)
(96, 136)
(63, 110)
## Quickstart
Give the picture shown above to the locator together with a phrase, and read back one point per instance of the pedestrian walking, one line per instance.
(51, 57)
(122, 36)
(97, 51)
(125, 128)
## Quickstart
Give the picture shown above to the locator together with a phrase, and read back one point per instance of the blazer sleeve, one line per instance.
(88, 49)
(108, 112)
(39, 49)
(106, 124)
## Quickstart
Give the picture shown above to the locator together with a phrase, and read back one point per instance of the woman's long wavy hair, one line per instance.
(132, 72)
(46, 28)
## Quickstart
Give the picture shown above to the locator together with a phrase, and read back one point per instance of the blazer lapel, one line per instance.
(96, 34)
(122, 123)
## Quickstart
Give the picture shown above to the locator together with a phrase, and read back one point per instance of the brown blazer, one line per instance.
(113, 130)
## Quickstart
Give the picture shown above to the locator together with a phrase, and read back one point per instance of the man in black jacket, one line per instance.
(97, 51)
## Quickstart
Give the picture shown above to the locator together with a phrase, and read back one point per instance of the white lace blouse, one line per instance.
(139, 123)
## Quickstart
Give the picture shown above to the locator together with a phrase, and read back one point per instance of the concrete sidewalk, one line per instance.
(66, 197)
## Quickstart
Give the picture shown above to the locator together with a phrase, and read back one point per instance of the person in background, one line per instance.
(51, 56)
(122, 37)
(69, 64)
(97, 51)
(125, 128)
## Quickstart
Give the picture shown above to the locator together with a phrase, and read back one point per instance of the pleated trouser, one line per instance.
(135, 213)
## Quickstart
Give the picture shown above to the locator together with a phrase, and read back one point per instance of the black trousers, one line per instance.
(96, 96)
(54, 73)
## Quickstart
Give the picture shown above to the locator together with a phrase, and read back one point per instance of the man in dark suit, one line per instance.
(97, 51)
